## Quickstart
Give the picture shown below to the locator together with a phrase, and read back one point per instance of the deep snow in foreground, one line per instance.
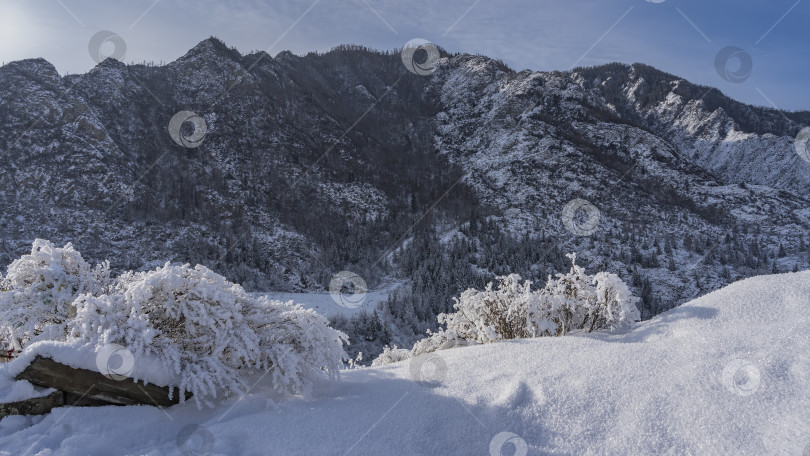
(725, 374)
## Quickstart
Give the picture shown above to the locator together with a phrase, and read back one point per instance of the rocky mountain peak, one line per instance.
(37, 69)
(211, 47)
(329, 161)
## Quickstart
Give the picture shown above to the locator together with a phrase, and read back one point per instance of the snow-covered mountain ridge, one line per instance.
(727, 373)
(318, 163)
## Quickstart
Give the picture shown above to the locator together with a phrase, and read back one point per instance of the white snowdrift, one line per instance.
(728, 373)
(17, 390)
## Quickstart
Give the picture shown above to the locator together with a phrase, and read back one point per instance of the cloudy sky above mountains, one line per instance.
(767, 65)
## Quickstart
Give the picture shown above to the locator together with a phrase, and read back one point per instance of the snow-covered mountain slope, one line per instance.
(728, 373)
(727, 138)
(530, 142)
(315, 164)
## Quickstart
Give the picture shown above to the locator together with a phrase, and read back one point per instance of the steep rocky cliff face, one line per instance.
(318, 163)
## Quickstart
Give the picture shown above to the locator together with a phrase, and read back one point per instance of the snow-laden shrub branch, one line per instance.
(209, 333)
(578, 301)
(391, 355)
(574, 301)
(205, 334)
(295, 345)
(492, 314)
(190, 320)
(38, 289)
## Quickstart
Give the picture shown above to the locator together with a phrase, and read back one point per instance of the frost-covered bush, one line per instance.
(577, 301)
(490, 315)
(391, 355)
(570, 302)
(482, 317)
(190, 320)
(208, 333)
(295, 345)
(38, 289)
(203, 334)
(565, 304)
(615, 304)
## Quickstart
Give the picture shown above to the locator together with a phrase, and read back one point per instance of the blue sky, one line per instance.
(678, 36)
